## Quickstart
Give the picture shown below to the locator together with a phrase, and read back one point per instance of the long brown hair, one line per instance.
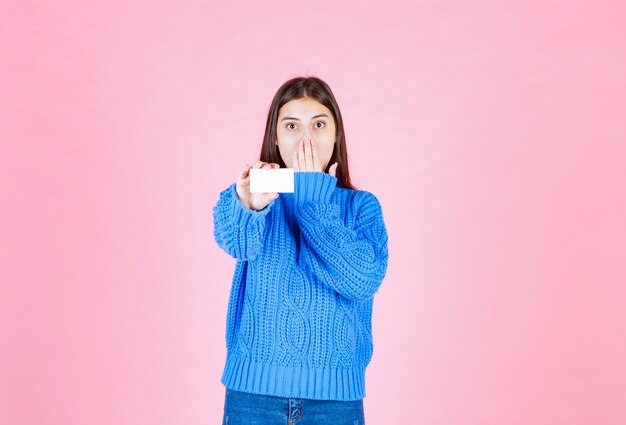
(315, 88)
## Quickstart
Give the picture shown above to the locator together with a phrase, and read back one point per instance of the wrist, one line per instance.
(313, 186)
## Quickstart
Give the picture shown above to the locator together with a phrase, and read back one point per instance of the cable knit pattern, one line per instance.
(308, 265)
(237, 229)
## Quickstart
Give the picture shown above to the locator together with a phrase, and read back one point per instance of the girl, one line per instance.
(298, 327)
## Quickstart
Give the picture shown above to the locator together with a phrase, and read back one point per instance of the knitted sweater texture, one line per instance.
(308, 265)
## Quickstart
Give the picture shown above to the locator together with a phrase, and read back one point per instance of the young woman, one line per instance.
(298, 327)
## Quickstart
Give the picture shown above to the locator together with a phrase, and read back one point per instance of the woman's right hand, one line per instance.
(254, 201)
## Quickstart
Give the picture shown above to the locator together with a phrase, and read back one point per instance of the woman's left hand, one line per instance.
(306, 158)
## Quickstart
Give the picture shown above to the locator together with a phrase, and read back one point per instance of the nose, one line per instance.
(307, 133)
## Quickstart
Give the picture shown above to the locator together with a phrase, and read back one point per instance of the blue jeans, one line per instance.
(255, 409)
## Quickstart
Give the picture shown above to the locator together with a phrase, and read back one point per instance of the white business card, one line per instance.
(274, 180)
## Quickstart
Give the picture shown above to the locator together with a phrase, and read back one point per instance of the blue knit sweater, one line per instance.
(300, 308)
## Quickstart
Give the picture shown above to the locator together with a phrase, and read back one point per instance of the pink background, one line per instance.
(493, 134)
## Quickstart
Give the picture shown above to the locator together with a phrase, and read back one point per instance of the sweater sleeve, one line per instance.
(352, 261)
(238, 230)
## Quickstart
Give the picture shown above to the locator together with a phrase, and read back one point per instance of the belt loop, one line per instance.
(295, 409)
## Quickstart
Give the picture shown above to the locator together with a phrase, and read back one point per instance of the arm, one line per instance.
(237, 229)
(351, 261)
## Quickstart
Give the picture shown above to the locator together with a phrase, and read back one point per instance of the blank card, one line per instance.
(275, 180)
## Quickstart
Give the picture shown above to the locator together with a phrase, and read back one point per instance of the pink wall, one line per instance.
(493, 134)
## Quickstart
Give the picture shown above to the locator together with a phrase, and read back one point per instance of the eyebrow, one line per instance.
(293, 118)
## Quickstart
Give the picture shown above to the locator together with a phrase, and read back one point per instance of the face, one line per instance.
(303, 119)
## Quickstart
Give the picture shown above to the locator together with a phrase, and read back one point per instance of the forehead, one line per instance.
(303, 108)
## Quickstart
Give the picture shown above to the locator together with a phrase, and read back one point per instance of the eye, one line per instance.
(288, 124)
(320, 122)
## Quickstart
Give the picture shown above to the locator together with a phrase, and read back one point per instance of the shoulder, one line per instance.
(365, 199)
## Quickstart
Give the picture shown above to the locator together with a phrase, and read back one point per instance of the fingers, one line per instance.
(303, 156)
(308, 155)
(265, 165)
(314, 155)
(244, 170)
(300, 156)
(244, 175)
(243, 178)
(261, 164)
(304, 163)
